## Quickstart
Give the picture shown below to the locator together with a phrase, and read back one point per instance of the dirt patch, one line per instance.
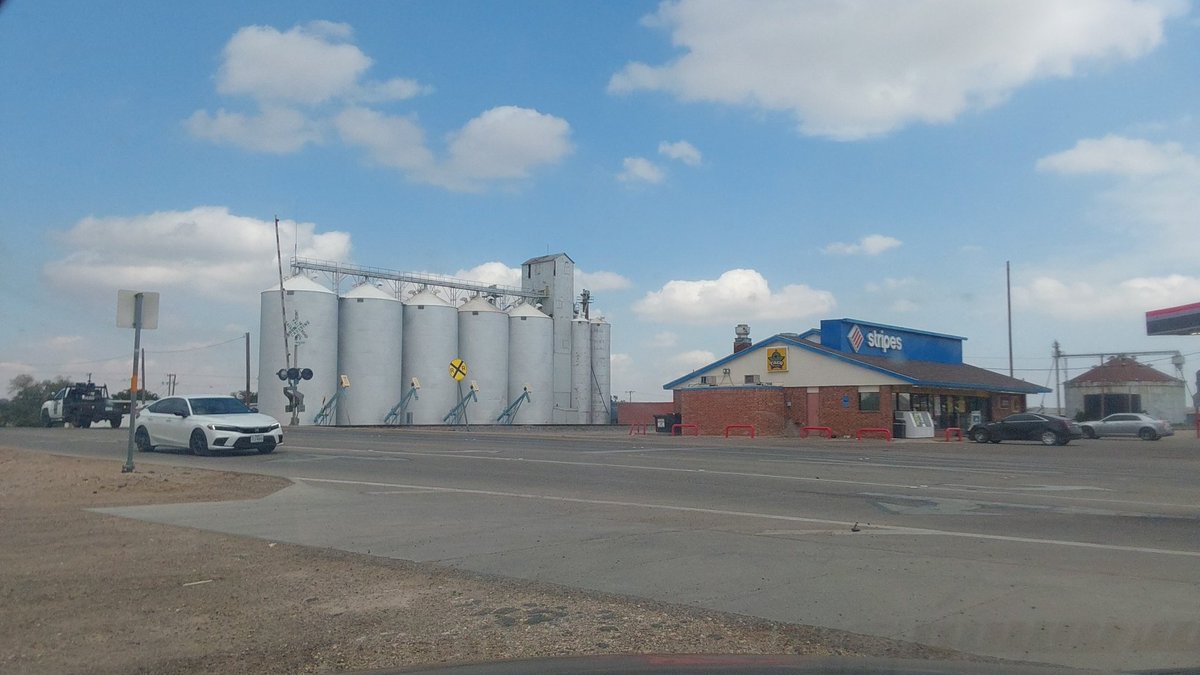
(86, 592)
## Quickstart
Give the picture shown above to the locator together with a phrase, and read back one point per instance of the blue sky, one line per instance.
(704, 163)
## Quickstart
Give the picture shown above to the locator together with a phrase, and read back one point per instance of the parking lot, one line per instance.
(1086, 555)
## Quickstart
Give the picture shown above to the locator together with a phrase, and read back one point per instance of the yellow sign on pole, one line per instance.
(458, 370)
(777, 360)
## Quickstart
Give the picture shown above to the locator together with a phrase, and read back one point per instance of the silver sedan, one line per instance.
(1143, 426)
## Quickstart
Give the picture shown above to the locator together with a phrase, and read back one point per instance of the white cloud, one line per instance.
(274, 129)
(601, 281)
(396, 142)
(737, 295)
(506, 142)
(298, 76)
(1155, 197)
(309, 64)
(890, 284)
(849, 70)
(492, 273)
(1096, 300)
(692, 359)
(664, 339)
(1121, 156)
(640, 170)
(682, 151)
(872, 244)
(205, 252)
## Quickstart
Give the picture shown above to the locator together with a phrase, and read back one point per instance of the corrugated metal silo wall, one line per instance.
(318, 307)
(601, 371)
(581, 370)
(370, 336)
(430, 344)
(530, 346)
(483, 345)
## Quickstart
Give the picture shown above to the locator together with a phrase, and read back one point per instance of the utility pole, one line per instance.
(247, 370)
(630, 393)
(1008, 288)
(1057, 378)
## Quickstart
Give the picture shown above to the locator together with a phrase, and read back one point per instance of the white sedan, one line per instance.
(204, 424)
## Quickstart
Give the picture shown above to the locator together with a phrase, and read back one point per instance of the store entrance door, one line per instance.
(812, 406)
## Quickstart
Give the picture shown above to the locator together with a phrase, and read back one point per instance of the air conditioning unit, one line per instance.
(710, 380)
(753, 379)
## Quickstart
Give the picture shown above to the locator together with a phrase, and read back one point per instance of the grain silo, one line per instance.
(601, 372)
(370, 335)
(483, 345)
(430, 344)
(312, 321)
(581, 370)
(530, 344)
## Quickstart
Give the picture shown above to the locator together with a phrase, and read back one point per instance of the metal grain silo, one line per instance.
(531, 363)
(370, 334)
(601, 371)
(314, 309)
(581, 370)
(430, 344)
(483, 345)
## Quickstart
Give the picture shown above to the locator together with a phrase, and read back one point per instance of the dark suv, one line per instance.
(1026, 426)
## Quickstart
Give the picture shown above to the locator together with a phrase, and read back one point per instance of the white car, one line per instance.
(1143, 426)
(204, 424)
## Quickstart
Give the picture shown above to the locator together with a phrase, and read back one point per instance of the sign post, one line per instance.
(136, 310)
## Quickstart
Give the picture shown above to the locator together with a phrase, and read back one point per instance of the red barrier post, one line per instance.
(749, 427)
(637, 429)
(952, 431)
(824, 431)
(875, 430)
(681, 427)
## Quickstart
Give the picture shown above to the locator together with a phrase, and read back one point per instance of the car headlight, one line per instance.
(273, 427)
(221, 427)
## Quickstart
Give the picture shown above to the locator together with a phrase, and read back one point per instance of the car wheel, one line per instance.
(46, 420)
(1089, 432)
(198, 444)
(1148, 434)
(86, 424)
(77, 422)
(1049, 438)
(266, 449)
(980, 436)
(141, 438)
(115, 422)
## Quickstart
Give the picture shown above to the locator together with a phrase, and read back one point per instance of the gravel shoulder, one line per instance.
(87, 592)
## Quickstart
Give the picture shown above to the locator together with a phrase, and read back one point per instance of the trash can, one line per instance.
(898, 426)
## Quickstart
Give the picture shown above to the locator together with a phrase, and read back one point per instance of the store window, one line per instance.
(903, 401)
(868, 401)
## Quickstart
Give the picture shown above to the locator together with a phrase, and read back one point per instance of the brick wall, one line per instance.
(712, 409)
(845, 421)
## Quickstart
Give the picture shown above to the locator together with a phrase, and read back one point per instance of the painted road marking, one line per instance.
(997, 490)
(764, 516)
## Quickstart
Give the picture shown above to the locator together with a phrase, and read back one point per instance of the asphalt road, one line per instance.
(1085, 555)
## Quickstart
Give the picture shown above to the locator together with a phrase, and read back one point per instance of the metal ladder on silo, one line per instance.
(393, 416)
(510, 412)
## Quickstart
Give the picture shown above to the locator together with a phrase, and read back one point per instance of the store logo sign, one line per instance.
(856, 338)
(875, 339)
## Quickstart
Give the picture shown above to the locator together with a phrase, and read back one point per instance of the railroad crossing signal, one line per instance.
(458, 370)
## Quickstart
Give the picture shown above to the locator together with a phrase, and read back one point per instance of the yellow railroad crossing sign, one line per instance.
(458, 370)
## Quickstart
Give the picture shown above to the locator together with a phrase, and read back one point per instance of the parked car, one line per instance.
(1143, 426)
(204, 424)
(1026, 426)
